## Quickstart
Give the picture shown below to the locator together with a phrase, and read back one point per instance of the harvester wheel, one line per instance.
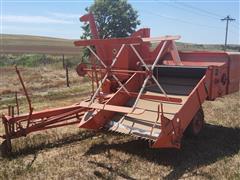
(196, 125)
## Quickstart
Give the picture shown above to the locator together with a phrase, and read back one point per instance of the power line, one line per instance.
(237, 25)
(191, 11)
(228, 19)
(204, 11)
(182, 21)
(200, 10)
(185, 22)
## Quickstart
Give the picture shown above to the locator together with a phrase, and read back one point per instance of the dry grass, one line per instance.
(78, 154)
(36, 79)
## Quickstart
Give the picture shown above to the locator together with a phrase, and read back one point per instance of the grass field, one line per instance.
(72, 153)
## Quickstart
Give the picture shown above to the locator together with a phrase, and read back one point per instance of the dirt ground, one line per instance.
(72, 153)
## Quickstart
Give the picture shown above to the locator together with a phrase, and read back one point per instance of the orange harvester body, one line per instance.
(152, 93)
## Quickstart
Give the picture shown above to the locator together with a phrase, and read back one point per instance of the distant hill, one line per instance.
(25, 44)
(206, 47)
(9, 39)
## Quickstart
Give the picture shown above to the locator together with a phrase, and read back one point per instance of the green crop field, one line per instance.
(73, 153)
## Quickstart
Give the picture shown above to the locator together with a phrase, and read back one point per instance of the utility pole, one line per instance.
(228, 18)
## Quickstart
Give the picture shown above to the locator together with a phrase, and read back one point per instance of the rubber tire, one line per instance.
(196, 125)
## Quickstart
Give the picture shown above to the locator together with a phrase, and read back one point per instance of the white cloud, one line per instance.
(33, 19)
(55, 24)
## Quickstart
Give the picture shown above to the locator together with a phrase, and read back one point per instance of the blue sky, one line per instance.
(197, 21)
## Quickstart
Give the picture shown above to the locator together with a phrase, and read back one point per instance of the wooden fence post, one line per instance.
(65, 66)
(63, 61)
(67, 77)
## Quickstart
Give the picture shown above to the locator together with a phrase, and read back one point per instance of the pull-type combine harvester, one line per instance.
(155, 94)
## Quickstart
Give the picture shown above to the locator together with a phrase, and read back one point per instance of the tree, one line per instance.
(114, 18)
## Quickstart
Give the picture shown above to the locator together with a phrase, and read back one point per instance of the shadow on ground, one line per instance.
(215, 142)
(33, 149)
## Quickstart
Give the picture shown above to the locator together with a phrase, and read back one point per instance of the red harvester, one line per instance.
(155, 94)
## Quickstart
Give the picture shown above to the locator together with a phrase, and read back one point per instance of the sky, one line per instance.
(197, 21)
